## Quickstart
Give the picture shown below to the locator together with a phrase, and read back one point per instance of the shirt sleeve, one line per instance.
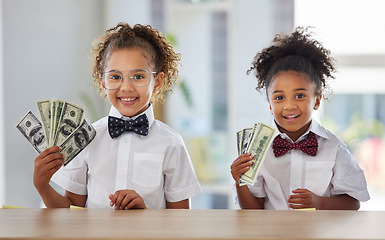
(73, 176)
(180, 179)
(348, 177)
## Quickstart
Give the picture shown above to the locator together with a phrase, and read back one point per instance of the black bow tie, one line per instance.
(117, 126)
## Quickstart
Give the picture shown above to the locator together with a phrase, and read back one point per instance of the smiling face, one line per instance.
(292, 98)
(128, 99)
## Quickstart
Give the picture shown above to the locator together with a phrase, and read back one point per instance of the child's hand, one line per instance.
(46, 164)
(303, 198)
(241, 165)
(126, 199)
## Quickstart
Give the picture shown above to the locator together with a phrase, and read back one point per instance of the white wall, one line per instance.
(45, 55)
(130, 11)
(2, 159)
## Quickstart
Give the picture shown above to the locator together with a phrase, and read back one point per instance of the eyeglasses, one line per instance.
(138, 77)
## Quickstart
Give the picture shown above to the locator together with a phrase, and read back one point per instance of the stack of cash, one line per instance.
(255, 140)
(63, 125)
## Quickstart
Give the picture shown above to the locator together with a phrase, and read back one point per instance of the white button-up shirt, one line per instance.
(156, 166)
(332, 172)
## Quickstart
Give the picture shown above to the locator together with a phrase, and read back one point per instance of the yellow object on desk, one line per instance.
(305, 209)
(10, 207)
(76, 207)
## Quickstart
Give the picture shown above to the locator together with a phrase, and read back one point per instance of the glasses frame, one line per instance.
(121, 81)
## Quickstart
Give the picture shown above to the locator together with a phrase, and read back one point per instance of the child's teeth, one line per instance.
(292, 116)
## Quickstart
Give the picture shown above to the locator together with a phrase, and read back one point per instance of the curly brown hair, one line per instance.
(139, 36)
(297, 52)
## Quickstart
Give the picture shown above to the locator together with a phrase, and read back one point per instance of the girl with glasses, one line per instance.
(135, 161)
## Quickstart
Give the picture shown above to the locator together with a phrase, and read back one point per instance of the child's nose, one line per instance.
(290, 104)
(126, 84)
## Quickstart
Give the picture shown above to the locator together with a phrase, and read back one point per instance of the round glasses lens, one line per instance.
(140, 77)
(112, 80)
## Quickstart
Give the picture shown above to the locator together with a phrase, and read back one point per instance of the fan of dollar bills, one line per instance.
(255, 140)
(63, 125)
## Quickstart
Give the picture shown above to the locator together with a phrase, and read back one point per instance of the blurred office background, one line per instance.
(43, 54)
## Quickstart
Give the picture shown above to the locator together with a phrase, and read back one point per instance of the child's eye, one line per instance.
(114, 77)
(278, 98)
(137, 77)
(300, 95)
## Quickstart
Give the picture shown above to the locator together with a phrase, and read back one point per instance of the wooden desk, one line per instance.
(189, 224)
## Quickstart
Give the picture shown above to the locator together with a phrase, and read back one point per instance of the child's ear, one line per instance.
(158, 82)
(317, 102)
(103, 89)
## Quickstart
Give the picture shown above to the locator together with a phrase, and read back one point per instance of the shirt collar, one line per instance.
(314, 127)
(149, 112)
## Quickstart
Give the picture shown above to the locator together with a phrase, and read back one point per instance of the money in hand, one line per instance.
(70, 118)
(256, 141)
(77, 141)
(33, 131)
(63, 125)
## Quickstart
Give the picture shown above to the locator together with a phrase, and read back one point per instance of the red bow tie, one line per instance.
(308, 146)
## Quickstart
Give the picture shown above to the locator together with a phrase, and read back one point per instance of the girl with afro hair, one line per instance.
(306, 166)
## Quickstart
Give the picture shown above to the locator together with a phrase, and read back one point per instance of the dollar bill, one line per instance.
(246, 136)
(33, 131)
(77, 141)
(69, 118)
(260, 140)
(58, 112)
(44, 108)
(239, 140)
(52, 106)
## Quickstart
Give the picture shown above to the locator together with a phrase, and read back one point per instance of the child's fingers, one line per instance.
(300, 200)
(135, 203)
(243, 165)
(241, 161)
(296, 200)
(51, 161)
(239, 170)
(297, 206)
(44, 168)
(239, 167)
(118, 198)
(300, 204)
(121, 201)
(55, 157)
(298, 196)
(300, 190)
(128, 198)
(242, 158)
(113, 198)
(55, 164)
(48, 151)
